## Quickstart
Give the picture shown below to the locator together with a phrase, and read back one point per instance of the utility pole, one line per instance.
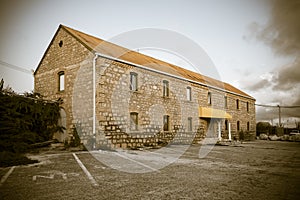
(279, 112)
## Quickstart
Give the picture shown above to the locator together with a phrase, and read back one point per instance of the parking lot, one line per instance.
(252, 170)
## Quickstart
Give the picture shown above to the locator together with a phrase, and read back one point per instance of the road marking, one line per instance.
(51, 176)
(88, 174)
(137, 162)
(3, 179)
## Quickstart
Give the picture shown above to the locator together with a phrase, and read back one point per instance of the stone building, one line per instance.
(116, 97)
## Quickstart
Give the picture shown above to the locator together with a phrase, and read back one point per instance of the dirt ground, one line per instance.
(252, 170)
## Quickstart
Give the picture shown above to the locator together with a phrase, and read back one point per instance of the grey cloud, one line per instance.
(282, 32)
(259, 85)
(287, 77)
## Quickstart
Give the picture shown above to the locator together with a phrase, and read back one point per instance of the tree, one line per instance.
(263, 128)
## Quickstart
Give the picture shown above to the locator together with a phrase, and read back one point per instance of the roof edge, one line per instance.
(46, 51)
(174, 76)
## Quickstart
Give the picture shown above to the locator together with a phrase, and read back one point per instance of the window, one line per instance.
(166, 123)
(133, 81)
(209, 98)
(237, 104)
(248, 126)
(225, 102)
(165, 88)
(247, 105)
(238, 125)
(61, 81)
(190, 124)
(133, 121)
(226, 124)
(189, 93)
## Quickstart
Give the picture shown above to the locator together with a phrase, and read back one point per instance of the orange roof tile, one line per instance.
(104, 47)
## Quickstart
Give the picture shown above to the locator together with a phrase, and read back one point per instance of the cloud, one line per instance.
(282, 34)
(287, 77)
(261, 84)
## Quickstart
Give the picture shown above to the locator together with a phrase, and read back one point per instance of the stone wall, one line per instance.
(115, 101)
(64, 54)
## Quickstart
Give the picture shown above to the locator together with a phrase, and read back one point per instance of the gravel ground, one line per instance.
(252, 170)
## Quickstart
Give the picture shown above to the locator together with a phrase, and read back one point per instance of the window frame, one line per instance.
(166, 123)
(209, 98)
(133, 77)
(226, 124)
(165, 88)
(237, 104)
(225, 102)
(189, 93)
(190, 124)
(61, 81)
(134, 122)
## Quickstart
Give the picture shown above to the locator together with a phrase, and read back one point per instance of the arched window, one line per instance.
(61, 81)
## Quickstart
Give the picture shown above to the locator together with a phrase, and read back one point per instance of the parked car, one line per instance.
(294, 132)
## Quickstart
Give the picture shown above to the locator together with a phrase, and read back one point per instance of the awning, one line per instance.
(206, 112)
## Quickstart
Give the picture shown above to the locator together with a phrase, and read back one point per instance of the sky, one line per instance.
(254, 44)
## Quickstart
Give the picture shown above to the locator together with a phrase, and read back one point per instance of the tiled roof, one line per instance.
(104, 47)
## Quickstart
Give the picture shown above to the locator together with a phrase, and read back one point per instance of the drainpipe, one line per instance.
(229, 131)
(94, 100)
(219, 131)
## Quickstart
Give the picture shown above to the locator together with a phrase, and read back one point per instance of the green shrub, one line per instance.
(26, 119)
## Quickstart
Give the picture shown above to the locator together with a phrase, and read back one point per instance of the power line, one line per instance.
(263, 105)
(21, 69)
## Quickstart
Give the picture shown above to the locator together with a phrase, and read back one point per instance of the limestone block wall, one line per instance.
(115, 101)
(65, 54)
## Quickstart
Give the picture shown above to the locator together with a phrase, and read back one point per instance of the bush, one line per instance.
(25, 120)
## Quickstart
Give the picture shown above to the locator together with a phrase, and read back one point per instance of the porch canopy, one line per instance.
(206, 112)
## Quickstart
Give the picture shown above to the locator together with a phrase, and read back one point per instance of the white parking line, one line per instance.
(3, 179)
(137, 162)
(88, 174)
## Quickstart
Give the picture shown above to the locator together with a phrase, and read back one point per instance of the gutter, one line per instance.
(167, 74)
